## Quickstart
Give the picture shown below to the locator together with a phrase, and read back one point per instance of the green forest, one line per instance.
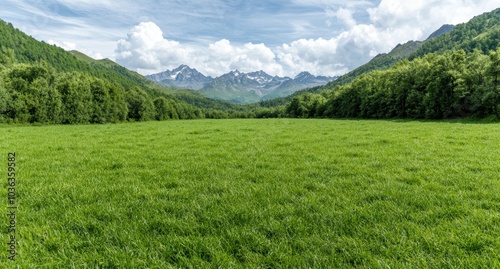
(37, 93)
(437, 86)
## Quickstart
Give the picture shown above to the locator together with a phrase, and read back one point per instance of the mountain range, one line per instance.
(238, 87)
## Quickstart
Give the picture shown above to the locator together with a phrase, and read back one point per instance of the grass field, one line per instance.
(274, 193)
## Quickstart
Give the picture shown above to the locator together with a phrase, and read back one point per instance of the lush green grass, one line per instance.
(256, 193)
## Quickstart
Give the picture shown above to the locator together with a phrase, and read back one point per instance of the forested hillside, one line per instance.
(482, 33)
(29, 50)
(454, 75)
(379, 62)
(451, 85)
(41, 83)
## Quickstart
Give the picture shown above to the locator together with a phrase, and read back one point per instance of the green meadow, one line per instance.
(270, 193)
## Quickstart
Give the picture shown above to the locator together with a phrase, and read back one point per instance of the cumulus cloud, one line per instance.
(345, 15)
(390, 23)
(146, 50)
(222, 55)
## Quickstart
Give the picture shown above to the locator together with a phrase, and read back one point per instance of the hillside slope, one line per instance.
(482, 33)
(379, 62)
(29, 50)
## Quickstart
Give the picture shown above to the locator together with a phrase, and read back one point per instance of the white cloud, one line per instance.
(147, 51)
(391, 22)
(222, 56)
(345, 15)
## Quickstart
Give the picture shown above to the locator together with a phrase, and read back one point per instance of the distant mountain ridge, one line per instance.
(236, 86)
(182, 77)
(441, 31)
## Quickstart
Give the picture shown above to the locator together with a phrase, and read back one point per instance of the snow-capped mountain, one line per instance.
(182, 77)
(299, 82)
(238, 87)
(252, 87)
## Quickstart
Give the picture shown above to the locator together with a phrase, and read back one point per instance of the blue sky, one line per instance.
(281, 37)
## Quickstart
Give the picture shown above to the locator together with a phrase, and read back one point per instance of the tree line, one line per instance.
(435, 86)
(37, 93)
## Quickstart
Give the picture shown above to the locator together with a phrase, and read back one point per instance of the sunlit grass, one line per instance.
(257, 193)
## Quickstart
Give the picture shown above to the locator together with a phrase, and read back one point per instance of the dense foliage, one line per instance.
(40, 83)
(454, 84)
(482, 33)
(37, 93)
(29, 50)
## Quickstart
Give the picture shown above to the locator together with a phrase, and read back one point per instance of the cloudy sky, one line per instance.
(281, 37)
